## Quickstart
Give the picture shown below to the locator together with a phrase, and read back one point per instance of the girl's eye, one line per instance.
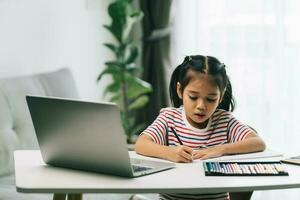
(193, 98)
(211, 100)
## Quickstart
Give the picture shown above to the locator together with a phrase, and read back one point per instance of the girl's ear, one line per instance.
(179, 92)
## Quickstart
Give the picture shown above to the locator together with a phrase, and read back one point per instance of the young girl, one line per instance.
(200, 125)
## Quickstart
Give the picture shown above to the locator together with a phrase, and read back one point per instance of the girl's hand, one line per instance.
(180, 154)
(211, 152)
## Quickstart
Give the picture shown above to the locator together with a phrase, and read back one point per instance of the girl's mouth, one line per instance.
(200, 116)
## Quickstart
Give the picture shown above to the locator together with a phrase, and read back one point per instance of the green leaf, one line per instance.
(114, 31)
(133, 68)
(119, 12)
(114, 64)
(113, 87)
(121, 52)
(112, 47)
(108, 27)
(115, 98)
(128, 42)
(139, 102)
(137, 87)
(127, 1)
(109, 70)
(138, 14)
(117, 9)
(132, 55)
(130, 21)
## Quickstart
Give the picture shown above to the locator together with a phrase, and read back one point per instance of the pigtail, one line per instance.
(228, 101)
(176, 101)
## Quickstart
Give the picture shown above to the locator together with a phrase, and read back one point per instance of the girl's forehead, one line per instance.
(201, 81)
(201, 77)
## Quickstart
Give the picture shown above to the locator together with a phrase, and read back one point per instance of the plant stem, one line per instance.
(125, 105)
(126, 112)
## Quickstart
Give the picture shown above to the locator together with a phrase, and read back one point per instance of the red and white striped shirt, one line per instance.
(222, 128)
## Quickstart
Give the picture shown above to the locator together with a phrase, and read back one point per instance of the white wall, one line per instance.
(44, 35)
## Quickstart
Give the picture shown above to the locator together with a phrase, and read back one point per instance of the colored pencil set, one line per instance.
(244, 169)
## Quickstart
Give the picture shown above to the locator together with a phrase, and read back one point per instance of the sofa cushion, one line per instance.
(16, 129)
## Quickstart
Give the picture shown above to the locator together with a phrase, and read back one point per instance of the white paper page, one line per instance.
(257, 155)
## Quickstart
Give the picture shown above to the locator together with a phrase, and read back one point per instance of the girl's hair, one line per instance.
(206, 65)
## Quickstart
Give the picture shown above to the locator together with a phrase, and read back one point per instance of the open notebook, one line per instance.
(268, 153)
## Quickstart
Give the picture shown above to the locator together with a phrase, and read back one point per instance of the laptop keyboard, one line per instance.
(137, 168)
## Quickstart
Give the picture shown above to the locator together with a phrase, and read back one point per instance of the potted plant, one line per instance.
(126, 88)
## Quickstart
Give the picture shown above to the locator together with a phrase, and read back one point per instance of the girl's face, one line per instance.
(200, 98)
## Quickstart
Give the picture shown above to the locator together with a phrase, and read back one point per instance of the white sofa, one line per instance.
(16, 129)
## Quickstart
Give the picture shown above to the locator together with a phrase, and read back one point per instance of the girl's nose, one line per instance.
(201, 105)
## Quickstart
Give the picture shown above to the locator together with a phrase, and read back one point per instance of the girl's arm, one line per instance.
(146, 146)
(252, 143)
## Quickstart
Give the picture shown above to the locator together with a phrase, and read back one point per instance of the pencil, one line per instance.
(176, 136)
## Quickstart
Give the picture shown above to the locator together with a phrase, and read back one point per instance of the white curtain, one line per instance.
(259, 42)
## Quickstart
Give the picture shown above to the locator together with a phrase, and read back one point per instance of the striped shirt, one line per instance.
(222, 128)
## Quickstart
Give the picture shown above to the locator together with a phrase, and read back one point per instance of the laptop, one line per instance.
(86, 136)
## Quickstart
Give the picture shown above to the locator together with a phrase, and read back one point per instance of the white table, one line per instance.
(33, 176)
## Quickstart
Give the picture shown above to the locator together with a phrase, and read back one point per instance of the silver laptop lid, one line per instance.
(73, 134)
